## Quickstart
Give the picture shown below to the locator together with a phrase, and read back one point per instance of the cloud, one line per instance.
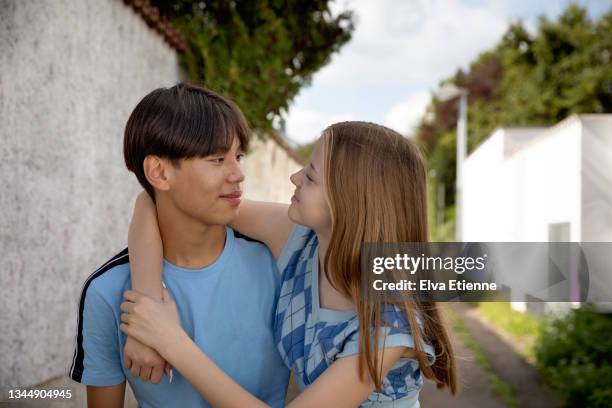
(414, 41)
(404, 116)
(399, 49)
(305, 125)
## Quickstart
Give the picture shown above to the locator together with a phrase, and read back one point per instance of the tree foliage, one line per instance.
(259, 52)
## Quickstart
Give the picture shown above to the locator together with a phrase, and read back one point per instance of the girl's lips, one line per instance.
(232, 198)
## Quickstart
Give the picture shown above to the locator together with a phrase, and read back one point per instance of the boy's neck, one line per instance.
(188, 243)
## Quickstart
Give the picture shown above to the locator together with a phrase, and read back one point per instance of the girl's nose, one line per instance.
(295, 178)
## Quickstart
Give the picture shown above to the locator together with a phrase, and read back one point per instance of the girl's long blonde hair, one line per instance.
(375, 181)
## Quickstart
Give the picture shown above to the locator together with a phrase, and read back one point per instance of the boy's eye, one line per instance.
(217, 160)
(308, 177)
(239, 156)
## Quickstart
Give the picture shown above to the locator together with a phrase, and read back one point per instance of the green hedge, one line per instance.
(574, 353)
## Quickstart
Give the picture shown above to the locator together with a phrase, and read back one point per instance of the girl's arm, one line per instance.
(146, 255)
(267, 222)
(145, 249)
(263, 221)
(339, 386)
(156, 325)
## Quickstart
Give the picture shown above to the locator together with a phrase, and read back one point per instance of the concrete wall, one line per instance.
(70, 74)
(596, 178)
(481, 190)
(492, 194)
(267, 169)
(515, 187)
(548, 180)
(561, 176)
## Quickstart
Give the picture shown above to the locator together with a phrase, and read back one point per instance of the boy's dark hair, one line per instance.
(181, 122)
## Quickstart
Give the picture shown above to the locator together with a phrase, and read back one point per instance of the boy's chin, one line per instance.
(221, 218)
(228, 218)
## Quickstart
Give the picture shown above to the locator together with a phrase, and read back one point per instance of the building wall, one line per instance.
(71, 72)
(596, 191)
(481, 190)
(513, 193)
(267, 169)
(547, 179)
(557, 186)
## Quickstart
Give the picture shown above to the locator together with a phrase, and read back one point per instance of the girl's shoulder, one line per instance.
(300, 243)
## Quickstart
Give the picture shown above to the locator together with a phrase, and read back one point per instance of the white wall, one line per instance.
(559, 175)
(481, 190)
(546, 176)
(267, 169)
(597, 178)
(517, 183)
(71, 72)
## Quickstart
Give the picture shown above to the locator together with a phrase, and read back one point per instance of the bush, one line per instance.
(574, 353)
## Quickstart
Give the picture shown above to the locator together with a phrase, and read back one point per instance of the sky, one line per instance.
(400, 51)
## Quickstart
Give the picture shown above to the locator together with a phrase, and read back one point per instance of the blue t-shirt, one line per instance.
(227, 308)
(310, 338)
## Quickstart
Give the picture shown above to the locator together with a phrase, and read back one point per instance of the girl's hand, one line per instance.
(155, 324)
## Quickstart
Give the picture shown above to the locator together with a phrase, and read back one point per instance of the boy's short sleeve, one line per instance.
(102, 364)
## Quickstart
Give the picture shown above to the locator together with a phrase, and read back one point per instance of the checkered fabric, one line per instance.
(311, 338)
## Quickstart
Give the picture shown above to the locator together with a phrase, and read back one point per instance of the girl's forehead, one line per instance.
(316, 159)
(317, 151)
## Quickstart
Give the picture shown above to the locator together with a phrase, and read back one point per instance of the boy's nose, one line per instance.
(236, 176)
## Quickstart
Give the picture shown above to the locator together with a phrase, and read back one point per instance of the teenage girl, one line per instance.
(365, 183)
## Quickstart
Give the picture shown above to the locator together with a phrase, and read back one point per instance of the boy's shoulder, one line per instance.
(111, 277)
(251, 253)
(250, 246)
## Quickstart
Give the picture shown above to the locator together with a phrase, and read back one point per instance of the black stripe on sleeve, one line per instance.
(246, 237)
(76, 370)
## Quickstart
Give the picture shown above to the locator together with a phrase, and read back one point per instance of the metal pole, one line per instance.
(461, 152)
(440, 204)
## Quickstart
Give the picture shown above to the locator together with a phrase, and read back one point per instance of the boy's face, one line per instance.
(209, 189)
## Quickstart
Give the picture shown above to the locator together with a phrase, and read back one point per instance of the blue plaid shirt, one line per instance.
(311, 338)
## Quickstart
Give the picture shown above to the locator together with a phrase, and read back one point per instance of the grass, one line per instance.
(500, 388)
(522, 328)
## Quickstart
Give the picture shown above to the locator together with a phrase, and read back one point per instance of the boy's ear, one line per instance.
(158, 172)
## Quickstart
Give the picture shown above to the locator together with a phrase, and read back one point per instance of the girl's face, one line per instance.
(309, 204)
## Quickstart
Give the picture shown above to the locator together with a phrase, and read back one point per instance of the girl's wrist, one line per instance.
(172, 343)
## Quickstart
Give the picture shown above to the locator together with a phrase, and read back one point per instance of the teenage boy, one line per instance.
(184, 144)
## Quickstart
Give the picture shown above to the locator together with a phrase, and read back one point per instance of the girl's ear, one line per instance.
(158, 172)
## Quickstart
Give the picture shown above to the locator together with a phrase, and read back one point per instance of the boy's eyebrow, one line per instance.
(313, 168)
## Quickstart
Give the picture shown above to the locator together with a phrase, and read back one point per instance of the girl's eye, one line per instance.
(240, 157)
(309, 178)
(218, 160)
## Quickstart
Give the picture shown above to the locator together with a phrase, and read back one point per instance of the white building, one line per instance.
(541, 184)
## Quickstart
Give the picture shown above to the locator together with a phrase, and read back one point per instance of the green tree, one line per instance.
(259, 52)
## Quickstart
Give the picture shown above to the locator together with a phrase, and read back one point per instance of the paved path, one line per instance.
(509, 366)
(474, 387)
